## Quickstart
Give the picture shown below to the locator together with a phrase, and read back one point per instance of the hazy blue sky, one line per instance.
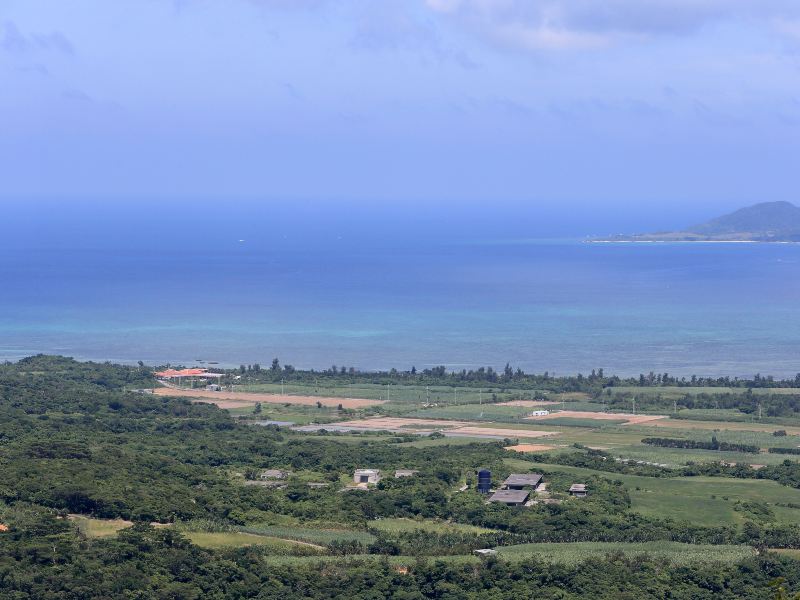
(636, 104)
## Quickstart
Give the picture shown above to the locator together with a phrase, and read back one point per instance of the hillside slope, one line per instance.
(764, 222)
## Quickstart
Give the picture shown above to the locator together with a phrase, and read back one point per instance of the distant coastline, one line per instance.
(607, 241)
(766, 223)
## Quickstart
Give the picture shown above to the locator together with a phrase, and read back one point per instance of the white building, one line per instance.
(539, 413)
(366, 476)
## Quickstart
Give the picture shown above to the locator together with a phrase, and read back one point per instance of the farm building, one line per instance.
(484, 552)
(578, 490)
(273, 474)
(519, 481)
(405, 473)
(510, 497)
(539, 413)
(366, 476)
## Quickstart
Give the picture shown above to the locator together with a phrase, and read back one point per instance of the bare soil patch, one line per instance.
(527, 403)
(497, 432)
(583, 414)
(530, 448)
(423, 426)
(243, 399)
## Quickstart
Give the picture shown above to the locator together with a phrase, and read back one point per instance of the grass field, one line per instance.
(236, 539)
(311, 535)
(577, 422)
(405, 394)
(424, 442)
(99, 528)
(679, 456)
(402, 525)
(667, 424)
(568, 553)
(676, 553)
(701, 500)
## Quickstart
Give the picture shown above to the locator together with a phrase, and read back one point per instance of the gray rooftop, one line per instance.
(577, 487)
(510, 496)
(526, 479)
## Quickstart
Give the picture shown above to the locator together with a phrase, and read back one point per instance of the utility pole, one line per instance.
(387, 392)
(634, 405)
(479, 398)
(675, 407)
(282, 392)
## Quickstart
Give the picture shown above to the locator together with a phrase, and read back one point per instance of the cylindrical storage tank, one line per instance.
(484, 481)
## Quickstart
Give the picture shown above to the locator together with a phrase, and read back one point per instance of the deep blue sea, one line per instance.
(214, 284)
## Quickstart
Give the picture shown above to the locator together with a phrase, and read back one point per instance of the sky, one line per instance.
(672, 110)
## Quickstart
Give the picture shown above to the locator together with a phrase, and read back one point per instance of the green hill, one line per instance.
(764, 222)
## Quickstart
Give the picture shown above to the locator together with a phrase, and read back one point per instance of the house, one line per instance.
(405, 473)
(578, 490)
(539, 413)
(366, 476)
(519, 481)
(510, 497)
(484, 552)
(273, 474)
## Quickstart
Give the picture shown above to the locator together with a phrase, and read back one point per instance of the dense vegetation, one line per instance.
(75, 440)
(714, 444)
(594, 382)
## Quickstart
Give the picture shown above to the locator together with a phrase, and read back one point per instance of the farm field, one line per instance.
(309, 534)
(564, 553)
(237, 539)
(401, 394)
(699, 500)
(676, 553)
(425, 442)
(600, 416)
(719, 425)
(674, 457)
(531, 448)
(680, 392)
(244, 399)
(426, 426)
(403, 525)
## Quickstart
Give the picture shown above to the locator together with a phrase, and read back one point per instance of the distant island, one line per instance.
(764, 222)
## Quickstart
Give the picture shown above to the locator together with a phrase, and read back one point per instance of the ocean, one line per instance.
(166, 286)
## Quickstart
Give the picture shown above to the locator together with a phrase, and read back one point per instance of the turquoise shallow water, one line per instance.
(317, 296)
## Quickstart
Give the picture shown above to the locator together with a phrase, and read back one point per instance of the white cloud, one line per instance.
(588, 24)
(13, 40)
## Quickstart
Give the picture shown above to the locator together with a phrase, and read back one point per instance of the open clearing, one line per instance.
(674, 552)
(530, 448)
(720, 425)
(242, 399)
(403, 525)
(99, 528)
(238, 540)
(427, 426)
(528, 403)
(581, 414)
(565, 553)
(700, 500)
